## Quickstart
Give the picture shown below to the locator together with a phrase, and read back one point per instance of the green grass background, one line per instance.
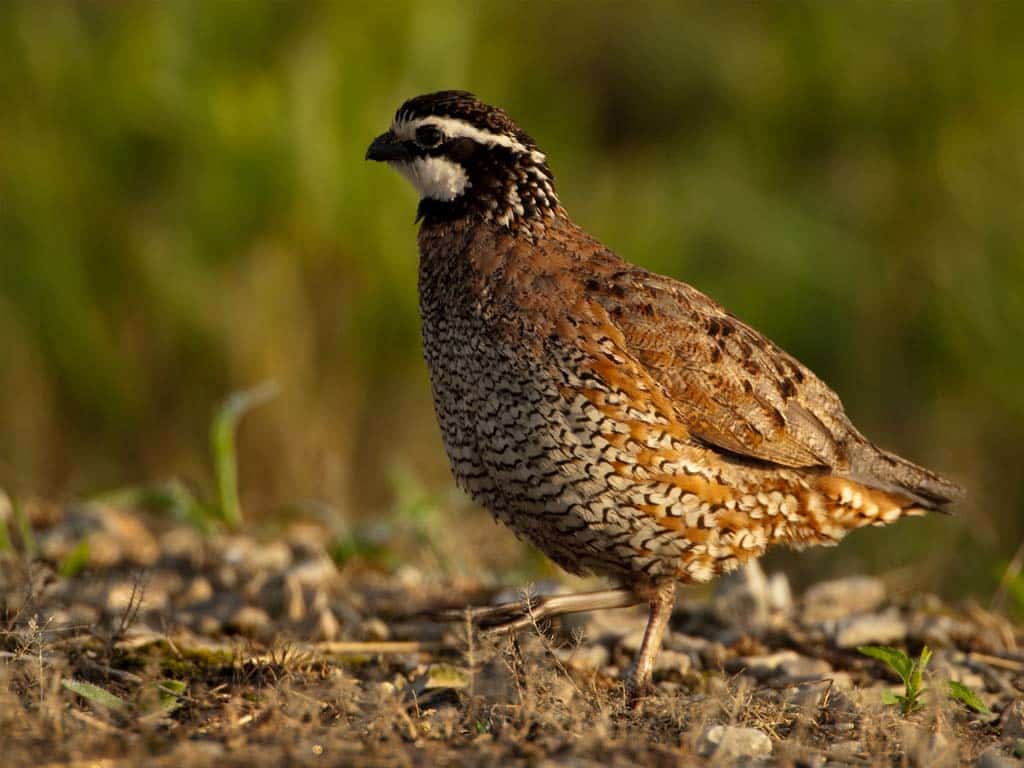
(185, 211)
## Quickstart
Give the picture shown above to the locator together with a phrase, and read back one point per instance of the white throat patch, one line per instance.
(436, 178)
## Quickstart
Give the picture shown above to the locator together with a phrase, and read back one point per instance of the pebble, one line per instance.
(593, 656)
(121, 595)
(865, 629)
(1011, 722)
(374, 629)
(315, 572)
(741, 598)
(800, 756)
(839, 598)
(441, 723)
(847, 751)
(275, 556)
(327, 626)
(994, 758)
(182, 543)
(734, 743)
(780, 594)
(671, 662)
(765, 665)
(200, 590)
(805, 667)
(249, 619)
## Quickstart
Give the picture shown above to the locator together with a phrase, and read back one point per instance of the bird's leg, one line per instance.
(509, 617)
(639, 679)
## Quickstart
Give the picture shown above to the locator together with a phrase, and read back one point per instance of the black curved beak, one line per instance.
(386, 148)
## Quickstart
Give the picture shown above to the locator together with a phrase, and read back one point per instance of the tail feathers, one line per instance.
(875, 468)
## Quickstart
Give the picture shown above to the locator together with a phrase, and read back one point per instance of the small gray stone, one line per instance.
(881, 628)
(742, 599)
(249, 619)
(327, 626)
(780, 594)
(733, 743)
(315, 572)
(1011, 722)
(800, 755)
(994, 758)
(200, 590)
(590, 656)
(842, 597)
(805, 667)
(671, 662)
(442, 722)
(274, 556)
(846, 751)
(764, 665)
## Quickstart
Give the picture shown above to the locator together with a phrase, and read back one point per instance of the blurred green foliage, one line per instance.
(185, 211)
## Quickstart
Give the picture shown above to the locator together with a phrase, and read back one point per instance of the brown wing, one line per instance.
(732, 387)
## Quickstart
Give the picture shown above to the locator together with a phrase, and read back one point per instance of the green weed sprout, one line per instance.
(225, 455)
(911, 672)
(174, 498)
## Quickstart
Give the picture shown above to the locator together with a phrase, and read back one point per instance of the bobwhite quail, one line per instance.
(621, 421)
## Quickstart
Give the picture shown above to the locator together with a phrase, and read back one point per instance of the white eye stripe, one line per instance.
(405, 129)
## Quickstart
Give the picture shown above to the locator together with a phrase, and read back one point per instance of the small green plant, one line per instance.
(967, 697)
(24, 528)
(95, 695)
(75, 561)
(911, 672)
(225, 454)
(174, 498)
(5, 513)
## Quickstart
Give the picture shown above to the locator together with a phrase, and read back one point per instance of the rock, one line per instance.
(1011, 722)
(804, 667)
(200, 590)
(124, 594)
(839, 598)
(846, 751)
(808, 696)
(183, 543)
(294, 600)
(562, 690)
(993, 757)
(702, 652)
(671, 662)
(441, 723)
(374, 629)
(733, 743)
(315, 572)
(741, 598)
(872, 628)
(275, 556)
(631, 643)
(928, 746)
(764, 665)
(780, 594)
(249, 620)
(800, 756)
(327, 626)
(592, 656)
(114, 537)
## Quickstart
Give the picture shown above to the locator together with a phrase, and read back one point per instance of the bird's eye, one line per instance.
(428, 135)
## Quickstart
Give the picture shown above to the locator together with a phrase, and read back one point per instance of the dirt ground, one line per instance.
(152, 641)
